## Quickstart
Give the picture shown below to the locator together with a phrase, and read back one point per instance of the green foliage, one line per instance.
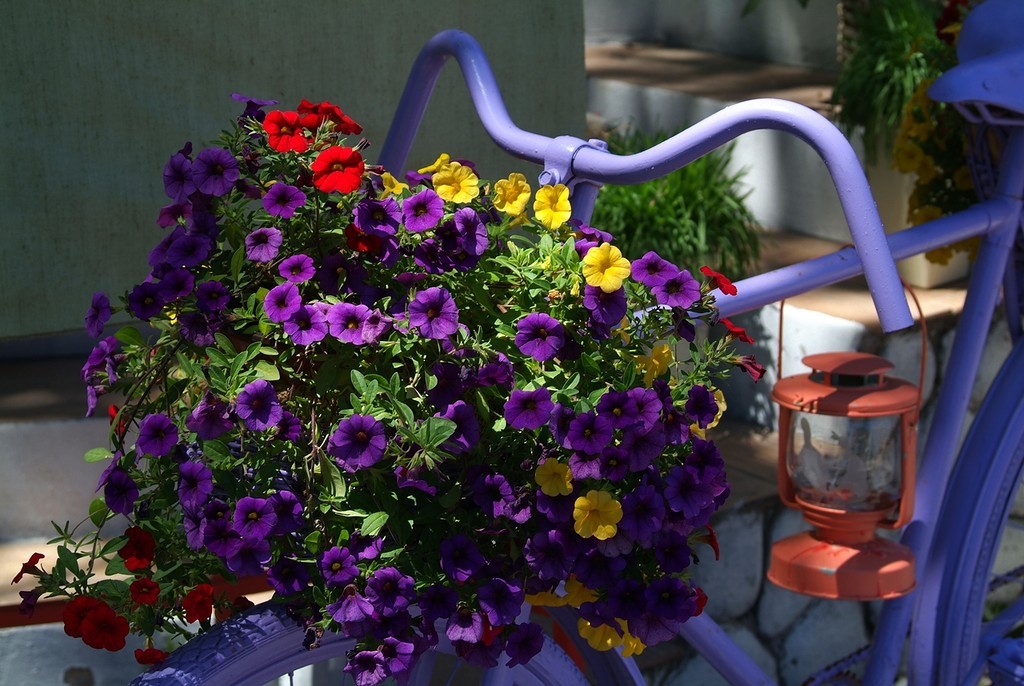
(692, 217)
(888, 57)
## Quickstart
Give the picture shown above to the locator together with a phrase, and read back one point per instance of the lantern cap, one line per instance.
(848, 384)
(849, 364)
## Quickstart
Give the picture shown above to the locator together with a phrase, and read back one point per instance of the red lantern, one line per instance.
(847, 449)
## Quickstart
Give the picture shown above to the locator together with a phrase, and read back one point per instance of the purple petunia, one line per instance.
(524, 643)
(178, 181)
(288, 576)
(257, 406)
(175, 284)
(282, 200)
(465, 625)
(282, 301)
(358, 442)
(460, 558)
(378, 217)
(215, 171)
(643, 513)
(250, 558)
(589, 433)
(434, 313)
(619, 408)
(500, 601)
(195, 484)
(306, 325)
(254, 517)
(607, 309)
(422, 211)
(120, 491)
(492, 493)
(685, 493)
(188, 250)
(212, 297)
(366, 667)
(390, 592)
(145, 300)
(262, 245)
(353, 611)
(679, 290)
(701, 406)
(467, 428)
(338, 567)
(399, 656)
(211, 418)
(97, 315)
(652, 270)
(528, 410)
(157, 435)
(297, 268)
(375, 326)
(288, 509)
(540, 336)
(345, 322)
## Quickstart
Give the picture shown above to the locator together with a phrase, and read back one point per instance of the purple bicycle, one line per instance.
(963, 500)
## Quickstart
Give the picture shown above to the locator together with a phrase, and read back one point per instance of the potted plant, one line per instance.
(333, 360)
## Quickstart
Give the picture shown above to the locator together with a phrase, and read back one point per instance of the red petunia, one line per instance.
(338, 169)
(702, 600)
(122, 426)
(198, 603)
(144, 591)
(737, 332)
(76, 611)
(150, 656)
(718, 281)
(361, 242)
(29, 567)
(138, 552)
(750, 365)
(312, 116)
(102, 628)
(285, 132)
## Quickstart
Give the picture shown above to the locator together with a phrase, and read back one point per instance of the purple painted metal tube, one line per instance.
(939, 452)
(731, 661)
(483, 89)
(718, 129)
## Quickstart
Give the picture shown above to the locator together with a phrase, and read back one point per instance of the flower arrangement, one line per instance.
(334, 360)
(932, 139)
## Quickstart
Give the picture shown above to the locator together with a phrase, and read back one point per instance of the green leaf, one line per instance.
(98, 511)
(312, 541)
(358, 381)
(451, 497)
(110, 587)
(225, 344)
(373, 523)
(267, 371)
(113, 545)
(237, 261)
(129, 335)
(435, 431)
(115, 567)
(217, 451)
(98, 455)
(405, 412)
(68, 560)
(334, 482)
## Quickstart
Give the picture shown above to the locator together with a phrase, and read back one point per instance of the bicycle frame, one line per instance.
(585, 165)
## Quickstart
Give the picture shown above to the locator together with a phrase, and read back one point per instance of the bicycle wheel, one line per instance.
(262, 644)
(978, 600)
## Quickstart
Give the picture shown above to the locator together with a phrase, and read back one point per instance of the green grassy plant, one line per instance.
(694, 216)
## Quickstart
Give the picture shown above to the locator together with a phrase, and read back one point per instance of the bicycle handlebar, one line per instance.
(588, 163)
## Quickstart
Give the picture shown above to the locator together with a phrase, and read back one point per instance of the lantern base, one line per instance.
(874, 570)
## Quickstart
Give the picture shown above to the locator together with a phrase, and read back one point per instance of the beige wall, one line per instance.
(95, 95)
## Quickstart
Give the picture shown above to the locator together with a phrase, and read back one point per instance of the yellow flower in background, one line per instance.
(962, 180)
(456, 183)
(601, 637)
(631, 645)
(546, 599)
(605, 267)
(906, 157)
(655, 364)
(554, 478)
(720, 402)
(596, 515)
(512, 194)
(940, 255)
(623, 331)
(442, 161)
(392, 186)
(551, 206)
(926, 170)
(925, 213)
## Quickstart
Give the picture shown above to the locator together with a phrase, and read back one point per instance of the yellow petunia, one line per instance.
(392, 186)
(442, 161)
(512, 194)
(631, 645)
(925, 213)
(551, 206)
(576, 593)
(601, 637)
(605, 267)
(596, 515)
(926, 170)
(546, 599)
(554, 478)
(456, 183)
(655, 364)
